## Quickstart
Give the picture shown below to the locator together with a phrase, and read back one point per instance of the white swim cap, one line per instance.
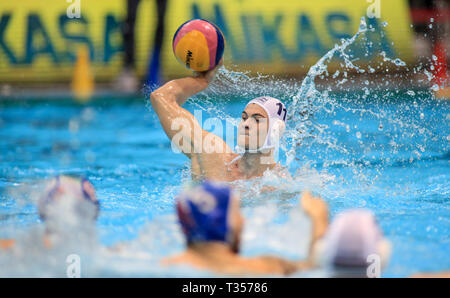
(276, 111)
(352, 237)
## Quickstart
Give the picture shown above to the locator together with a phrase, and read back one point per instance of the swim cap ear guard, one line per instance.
(278, 129)
(276, 111)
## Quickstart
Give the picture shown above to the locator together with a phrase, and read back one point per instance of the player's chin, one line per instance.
(249, 144)
(243, 141)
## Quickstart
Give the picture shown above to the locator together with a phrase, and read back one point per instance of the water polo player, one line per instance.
(199, 45)
(68, 205)
(261, 126)
(212, 224)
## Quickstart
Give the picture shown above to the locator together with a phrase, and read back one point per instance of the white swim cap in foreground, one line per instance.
(352, 237)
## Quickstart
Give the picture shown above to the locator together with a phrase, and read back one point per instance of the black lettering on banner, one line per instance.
(4, 21)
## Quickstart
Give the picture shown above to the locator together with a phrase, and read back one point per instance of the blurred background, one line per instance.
(56, 47)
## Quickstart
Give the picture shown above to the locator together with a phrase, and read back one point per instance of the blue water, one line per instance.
(388, 152)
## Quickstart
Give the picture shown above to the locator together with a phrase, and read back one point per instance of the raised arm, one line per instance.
(177, 121)
(317, 210)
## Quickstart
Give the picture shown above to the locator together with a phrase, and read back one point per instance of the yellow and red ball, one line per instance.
(198, 44)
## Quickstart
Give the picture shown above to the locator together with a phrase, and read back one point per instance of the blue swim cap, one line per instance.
(203, 212)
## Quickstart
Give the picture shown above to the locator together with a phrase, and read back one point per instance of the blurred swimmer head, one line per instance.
(262, 125)
(353, 242)
(68, 197)
(210, 212)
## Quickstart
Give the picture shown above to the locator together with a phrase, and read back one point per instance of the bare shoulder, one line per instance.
(215, 166)
(264, 265)
(175, 259)
(231, 158)
(270, 265)
(199, 262)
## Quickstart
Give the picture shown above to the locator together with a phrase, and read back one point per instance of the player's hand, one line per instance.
(314, 206)
(210, 74)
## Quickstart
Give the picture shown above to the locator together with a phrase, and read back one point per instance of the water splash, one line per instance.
(308, 100)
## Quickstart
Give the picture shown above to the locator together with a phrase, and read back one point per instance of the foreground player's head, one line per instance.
(353, 242)
(262, 125)
(67, 198)
(209, 212)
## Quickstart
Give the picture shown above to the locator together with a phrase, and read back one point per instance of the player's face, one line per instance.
(252, 130)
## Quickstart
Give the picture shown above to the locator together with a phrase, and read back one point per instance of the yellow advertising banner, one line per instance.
(39, 39)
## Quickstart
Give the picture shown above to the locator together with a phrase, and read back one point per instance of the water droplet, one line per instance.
(411, 93)
(73, 126)
(428, 74)
(358, 135)
(88, 114)
(362, 24)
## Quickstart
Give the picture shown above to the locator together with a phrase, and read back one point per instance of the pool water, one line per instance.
(389, 154)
